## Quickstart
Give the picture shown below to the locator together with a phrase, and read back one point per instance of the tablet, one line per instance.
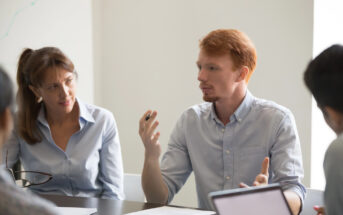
(267, 200)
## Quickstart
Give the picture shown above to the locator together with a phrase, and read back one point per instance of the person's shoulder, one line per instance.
(198, 110)
(335, 150)
(270, 107)
(97, 112)
(15, 201)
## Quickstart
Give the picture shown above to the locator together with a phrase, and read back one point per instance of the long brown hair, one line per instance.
(33, 65)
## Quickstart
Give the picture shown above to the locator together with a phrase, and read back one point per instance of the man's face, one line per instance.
(332, 118)
(217, 76)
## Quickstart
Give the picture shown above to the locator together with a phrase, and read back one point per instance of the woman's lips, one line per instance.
(65, 103)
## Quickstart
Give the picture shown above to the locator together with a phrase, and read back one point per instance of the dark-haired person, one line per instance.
(324, 78)
(224, 140)
(56, 133)
(14, 200)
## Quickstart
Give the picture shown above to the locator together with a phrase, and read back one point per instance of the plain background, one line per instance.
(134, 55)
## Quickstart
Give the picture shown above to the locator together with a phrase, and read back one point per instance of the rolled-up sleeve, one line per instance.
(176, 165)
(286, 159)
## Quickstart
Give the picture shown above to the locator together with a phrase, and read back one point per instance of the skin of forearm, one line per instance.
(155, 189)
(294, 201)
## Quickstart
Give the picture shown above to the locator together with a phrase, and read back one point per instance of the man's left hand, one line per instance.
(262, 178)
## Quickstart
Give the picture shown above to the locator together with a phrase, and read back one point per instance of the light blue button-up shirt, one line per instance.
(222, 156)
(92, 164)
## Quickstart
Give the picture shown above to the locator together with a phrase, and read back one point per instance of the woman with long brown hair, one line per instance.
(56, 133)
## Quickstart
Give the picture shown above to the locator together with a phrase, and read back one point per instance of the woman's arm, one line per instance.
(111, 164)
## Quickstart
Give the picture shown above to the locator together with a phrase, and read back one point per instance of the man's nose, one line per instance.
(202, 75)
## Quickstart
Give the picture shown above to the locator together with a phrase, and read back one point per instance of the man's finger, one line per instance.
(243, 185)
(149, 120)
(265, 166)
(142, 120)
(152, 128)
(155, 137)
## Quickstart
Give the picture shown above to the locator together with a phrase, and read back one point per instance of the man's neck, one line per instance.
(226, 107)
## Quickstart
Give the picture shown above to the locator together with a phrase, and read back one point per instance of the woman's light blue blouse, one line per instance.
(91, 165)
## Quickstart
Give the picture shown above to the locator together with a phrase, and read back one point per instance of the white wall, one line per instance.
(328, 19)
(145, 52)
(148, 53)
(66, 24)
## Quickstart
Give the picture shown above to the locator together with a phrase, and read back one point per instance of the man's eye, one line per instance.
(212, 68)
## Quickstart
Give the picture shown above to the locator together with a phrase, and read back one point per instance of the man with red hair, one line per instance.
(225, 140)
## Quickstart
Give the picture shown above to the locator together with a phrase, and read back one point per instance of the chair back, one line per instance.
(313, 197)
(133, 188)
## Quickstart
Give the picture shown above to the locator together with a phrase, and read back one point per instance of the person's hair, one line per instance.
(233, 43)
(33, 66)
(324, 78)
(6, 92)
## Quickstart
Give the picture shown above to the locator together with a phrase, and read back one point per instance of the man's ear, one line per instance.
(332, 112)
(243, 73)
(35, 91)
(335, 118)
(335, 115)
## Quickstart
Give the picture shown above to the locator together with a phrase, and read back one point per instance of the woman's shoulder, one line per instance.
(96, 112)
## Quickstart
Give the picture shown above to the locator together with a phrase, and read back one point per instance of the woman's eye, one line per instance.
(52, 87)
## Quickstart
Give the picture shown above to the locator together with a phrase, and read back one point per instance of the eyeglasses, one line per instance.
(28, 178)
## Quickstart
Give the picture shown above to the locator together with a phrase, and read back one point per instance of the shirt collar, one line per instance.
(85, 115)
(242, 110)
(84, 112)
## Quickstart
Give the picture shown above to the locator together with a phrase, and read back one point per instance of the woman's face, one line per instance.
(57, 91)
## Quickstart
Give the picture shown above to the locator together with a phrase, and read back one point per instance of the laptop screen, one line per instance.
(267, 200)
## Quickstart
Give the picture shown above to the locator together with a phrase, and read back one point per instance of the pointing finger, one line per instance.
(265, 166)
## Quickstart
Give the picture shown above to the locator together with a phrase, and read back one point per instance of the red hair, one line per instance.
(233, 43)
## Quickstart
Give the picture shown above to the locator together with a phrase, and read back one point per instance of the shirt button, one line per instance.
(227, 151)
(227, 177)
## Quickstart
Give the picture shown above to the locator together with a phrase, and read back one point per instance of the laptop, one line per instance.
(267, 200)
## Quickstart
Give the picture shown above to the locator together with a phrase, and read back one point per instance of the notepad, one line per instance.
(167, 210)
(76, 211)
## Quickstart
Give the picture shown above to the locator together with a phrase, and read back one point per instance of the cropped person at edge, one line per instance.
(324, 78)
(15, 200)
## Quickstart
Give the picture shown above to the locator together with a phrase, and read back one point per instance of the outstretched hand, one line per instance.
(262, 178)
(147, 126)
